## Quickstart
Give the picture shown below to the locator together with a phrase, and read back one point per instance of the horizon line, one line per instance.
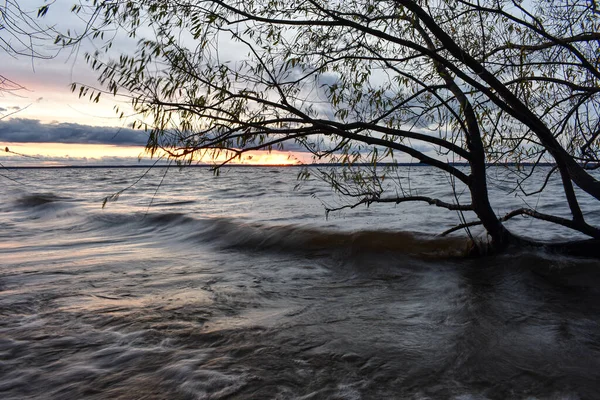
(384, 164)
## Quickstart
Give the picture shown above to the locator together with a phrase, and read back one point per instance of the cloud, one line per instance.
(9, 109)
(42, 160)
(21, 130)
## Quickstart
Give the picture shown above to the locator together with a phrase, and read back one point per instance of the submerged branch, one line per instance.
(575, 225)
(459, 227)
(397, 200)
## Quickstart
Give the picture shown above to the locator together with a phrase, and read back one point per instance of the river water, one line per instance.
(195, 286)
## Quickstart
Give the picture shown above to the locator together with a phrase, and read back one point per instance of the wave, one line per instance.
(39, 199)
(235, 234)
(291, 238)
(230, 233)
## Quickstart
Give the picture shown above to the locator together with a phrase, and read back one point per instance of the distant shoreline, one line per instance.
(458, 164)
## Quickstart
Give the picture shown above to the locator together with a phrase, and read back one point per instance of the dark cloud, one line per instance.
(20, 130)
(9, 109)
(33, 131)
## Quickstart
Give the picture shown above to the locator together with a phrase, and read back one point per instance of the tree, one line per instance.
(21, 35)
(359, 81)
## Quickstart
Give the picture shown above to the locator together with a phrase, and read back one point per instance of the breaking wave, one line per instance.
(38, 199)
(231, 233)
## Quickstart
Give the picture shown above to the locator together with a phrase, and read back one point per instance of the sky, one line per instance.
(44, 123)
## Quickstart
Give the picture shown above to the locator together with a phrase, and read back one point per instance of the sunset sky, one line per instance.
(46, 124)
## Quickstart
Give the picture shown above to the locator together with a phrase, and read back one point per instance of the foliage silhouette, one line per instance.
(358, 82)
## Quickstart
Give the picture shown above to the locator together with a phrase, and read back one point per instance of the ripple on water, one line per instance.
(192, 303)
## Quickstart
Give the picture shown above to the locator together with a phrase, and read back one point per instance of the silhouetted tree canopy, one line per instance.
(361, 81)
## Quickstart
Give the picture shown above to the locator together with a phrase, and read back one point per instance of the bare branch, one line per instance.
(397, 200)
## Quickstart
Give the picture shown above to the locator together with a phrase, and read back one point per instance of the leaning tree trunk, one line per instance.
(500, 236)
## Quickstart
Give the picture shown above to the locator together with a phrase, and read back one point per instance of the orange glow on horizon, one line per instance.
(64, 154)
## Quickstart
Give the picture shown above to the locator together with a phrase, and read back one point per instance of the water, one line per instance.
(237, 287)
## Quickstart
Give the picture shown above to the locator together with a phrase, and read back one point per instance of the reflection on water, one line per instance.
(182, 301)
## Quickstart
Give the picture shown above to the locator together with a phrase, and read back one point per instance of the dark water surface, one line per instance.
(237, 287)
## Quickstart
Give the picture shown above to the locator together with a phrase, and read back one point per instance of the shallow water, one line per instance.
(237, 287)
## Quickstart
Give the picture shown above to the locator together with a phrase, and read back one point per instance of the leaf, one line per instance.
(43, 10)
